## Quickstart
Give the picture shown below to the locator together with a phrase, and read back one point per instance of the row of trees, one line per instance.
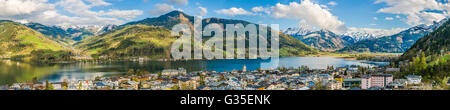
(51, 56)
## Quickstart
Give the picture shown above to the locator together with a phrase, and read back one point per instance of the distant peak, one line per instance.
(175, 13)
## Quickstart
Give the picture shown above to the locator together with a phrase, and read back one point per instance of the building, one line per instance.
(397, 84)
(414, 79)
(335, 85)
(339, 79)
(169, 72)
(376, 80)
(348, 83)
(4, 87)
(174, 72)
(392, 70)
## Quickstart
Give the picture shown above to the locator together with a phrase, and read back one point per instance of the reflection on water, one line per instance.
(11, 71)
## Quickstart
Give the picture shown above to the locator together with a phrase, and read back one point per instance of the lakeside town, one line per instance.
(301, 78)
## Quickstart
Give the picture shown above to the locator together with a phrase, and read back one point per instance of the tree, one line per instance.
(282, 69)
(356, 85)
(184, 86)
(35, 81)
(444, 82)
(176, 87)
(140, 85)
(423, 61)
(48, 86)
(319, 86)
(80, 85)
(64, 85)
(131, 72)
(159, 75)
(303, 68)
(202, 82)
(330, 67)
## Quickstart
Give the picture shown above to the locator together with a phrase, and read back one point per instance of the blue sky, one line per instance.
(335, 15)
(355, 13)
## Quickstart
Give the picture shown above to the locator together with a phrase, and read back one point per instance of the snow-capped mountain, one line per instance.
(358, 36)
(364, 40)
(74, 32)
(355, 34)
(397, 43)
(94, 29)
(323, 39)
(298, 31)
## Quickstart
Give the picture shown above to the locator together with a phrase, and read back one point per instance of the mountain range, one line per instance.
(435, 44)
(323, 40)
(76, 32)
(397, 43)
(151, 38)
(361, 41)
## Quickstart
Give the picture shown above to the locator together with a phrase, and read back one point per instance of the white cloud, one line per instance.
(332, 3)
(77, 7)
(389, 18)
(416, 11)
(311, 12)
(98, 3)
(10, 8)
(234, 11)
(162, 9)
(178, 2)
(79, 12)
(258, 9)
(125, 14)
(375, 18)
(203, 11)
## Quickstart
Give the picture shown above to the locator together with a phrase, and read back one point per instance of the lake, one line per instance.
(12, 71)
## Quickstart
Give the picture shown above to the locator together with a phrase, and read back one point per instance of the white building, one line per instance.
(335, 85)
(414, 79)
(174, 72)
(169, 72)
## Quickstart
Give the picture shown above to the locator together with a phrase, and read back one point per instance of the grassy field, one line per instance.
(19, 40)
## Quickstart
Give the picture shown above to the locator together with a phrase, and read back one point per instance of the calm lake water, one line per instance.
(12, 71)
